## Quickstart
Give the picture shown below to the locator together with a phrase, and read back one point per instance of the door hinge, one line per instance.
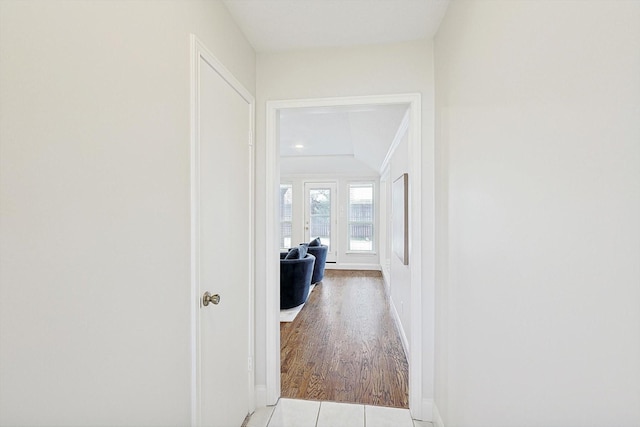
(250, 364)
(250, 138)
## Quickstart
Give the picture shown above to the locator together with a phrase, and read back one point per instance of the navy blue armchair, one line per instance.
(295, 280)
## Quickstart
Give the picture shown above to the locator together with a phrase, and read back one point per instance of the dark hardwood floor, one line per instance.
(344, 346)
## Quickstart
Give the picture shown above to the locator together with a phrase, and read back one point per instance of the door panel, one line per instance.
(224, 250)
(320, 215)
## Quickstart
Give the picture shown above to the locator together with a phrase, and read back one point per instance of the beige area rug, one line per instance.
(290, 314)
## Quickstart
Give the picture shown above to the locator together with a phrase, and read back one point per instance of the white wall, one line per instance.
(319, 73)
(399, 274)
(345, 259)
(94, 192)
(538, 106)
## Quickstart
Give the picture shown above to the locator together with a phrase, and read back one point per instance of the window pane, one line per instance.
(361, 217)
(285, 215)
(320, 218)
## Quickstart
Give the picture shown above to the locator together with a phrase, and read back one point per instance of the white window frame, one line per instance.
(281, 240)
(366, 183)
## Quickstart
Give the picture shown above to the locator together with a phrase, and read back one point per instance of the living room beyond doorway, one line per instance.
(344, 345)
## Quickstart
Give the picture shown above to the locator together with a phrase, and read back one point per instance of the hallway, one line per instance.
(344, 345)
(304, 413)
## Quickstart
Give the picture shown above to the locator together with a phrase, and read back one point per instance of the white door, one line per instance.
(223, 247)
(320, 215)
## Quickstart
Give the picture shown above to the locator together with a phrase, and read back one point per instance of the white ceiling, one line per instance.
(277, 25)
(348, 139)
(344, 140)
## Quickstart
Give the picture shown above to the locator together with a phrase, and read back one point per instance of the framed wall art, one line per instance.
(400, 217)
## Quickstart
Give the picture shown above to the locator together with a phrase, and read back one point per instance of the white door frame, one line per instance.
(420, 408)
(200, 52)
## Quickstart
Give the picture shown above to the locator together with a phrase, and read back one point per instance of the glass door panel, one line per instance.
(320, 217)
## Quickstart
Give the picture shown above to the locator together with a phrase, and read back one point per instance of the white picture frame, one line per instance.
(400, 217)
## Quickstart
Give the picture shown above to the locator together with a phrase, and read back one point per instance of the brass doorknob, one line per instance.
(208, 298)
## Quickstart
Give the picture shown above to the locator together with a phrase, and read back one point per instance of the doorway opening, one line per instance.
(416, 354)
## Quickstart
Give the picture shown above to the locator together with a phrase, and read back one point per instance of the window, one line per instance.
(285, 215)
(361, 217)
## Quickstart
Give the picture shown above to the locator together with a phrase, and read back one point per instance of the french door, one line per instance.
(321, 215)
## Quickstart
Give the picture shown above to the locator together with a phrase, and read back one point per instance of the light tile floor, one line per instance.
(307, 413)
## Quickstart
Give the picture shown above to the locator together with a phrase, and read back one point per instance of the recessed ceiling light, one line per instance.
(298, 146)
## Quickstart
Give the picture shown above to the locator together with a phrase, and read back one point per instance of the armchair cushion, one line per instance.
(315, 242)
(298, 252)
(320, 252)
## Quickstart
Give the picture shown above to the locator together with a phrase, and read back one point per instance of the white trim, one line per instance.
(194, 229)
(324, 156)
(437, 419)
(400, 133)
(427, 409)
(198, 51)
(252, 256)
(272, 267)
(363, 253)
(398, 322)
(207, 56)
(415, 258)
(387, 279)
(323, 177)
(272, 179)
(395, 315)
(351, 266)
(261, 396)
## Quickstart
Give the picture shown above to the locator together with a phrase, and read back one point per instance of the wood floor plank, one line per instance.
(344, 346)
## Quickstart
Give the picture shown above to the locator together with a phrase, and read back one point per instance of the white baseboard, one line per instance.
(403, 336)
(386, 275)
(427, 410)
(261, 396)
(351, 266)
(437, 419)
